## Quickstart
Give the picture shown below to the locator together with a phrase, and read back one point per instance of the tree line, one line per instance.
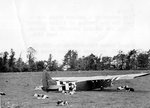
(132, 60)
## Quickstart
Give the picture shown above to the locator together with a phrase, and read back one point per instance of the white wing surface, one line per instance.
(110, 77)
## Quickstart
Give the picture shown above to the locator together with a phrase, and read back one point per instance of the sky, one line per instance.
(101, 27)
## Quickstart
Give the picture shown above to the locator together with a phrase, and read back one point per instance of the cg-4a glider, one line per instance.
(83, 83)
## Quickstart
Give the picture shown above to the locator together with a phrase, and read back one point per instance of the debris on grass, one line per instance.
(38, 88)
(68, 92)
(40, 96)
(126, 88)
(2, 93)
(62, 103)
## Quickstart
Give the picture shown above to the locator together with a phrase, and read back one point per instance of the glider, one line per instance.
(83, 83)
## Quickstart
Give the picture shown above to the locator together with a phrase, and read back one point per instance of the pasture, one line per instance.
(19, 89)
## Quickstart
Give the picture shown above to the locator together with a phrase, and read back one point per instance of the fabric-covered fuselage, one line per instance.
(85, 85)
(94, 84)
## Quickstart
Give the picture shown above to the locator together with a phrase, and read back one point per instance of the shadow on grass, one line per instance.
(142, 91)
(115, 90)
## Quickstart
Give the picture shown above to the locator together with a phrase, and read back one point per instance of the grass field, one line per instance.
(19, 89)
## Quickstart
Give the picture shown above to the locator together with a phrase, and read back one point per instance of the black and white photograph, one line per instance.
(74, 53)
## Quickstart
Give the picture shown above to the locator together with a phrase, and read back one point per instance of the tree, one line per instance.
(142, 60)
(106, 62)
(1, 62)
(99, 63)
(5, 66)
(40, 65)
(31, 59)
(148, 52)
(120, 60)
(19, 64)
(52, 64)
(81, 64)
(25, 67)
(70, 59)
(11, 61)
(49, 62)
(91, 62)
(132, 59)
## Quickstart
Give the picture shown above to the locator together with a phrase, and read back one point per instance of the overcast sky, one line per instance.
(88, 26)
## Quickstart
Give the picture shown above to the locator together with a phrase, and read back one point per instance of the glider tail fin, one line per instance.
(47, 81)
